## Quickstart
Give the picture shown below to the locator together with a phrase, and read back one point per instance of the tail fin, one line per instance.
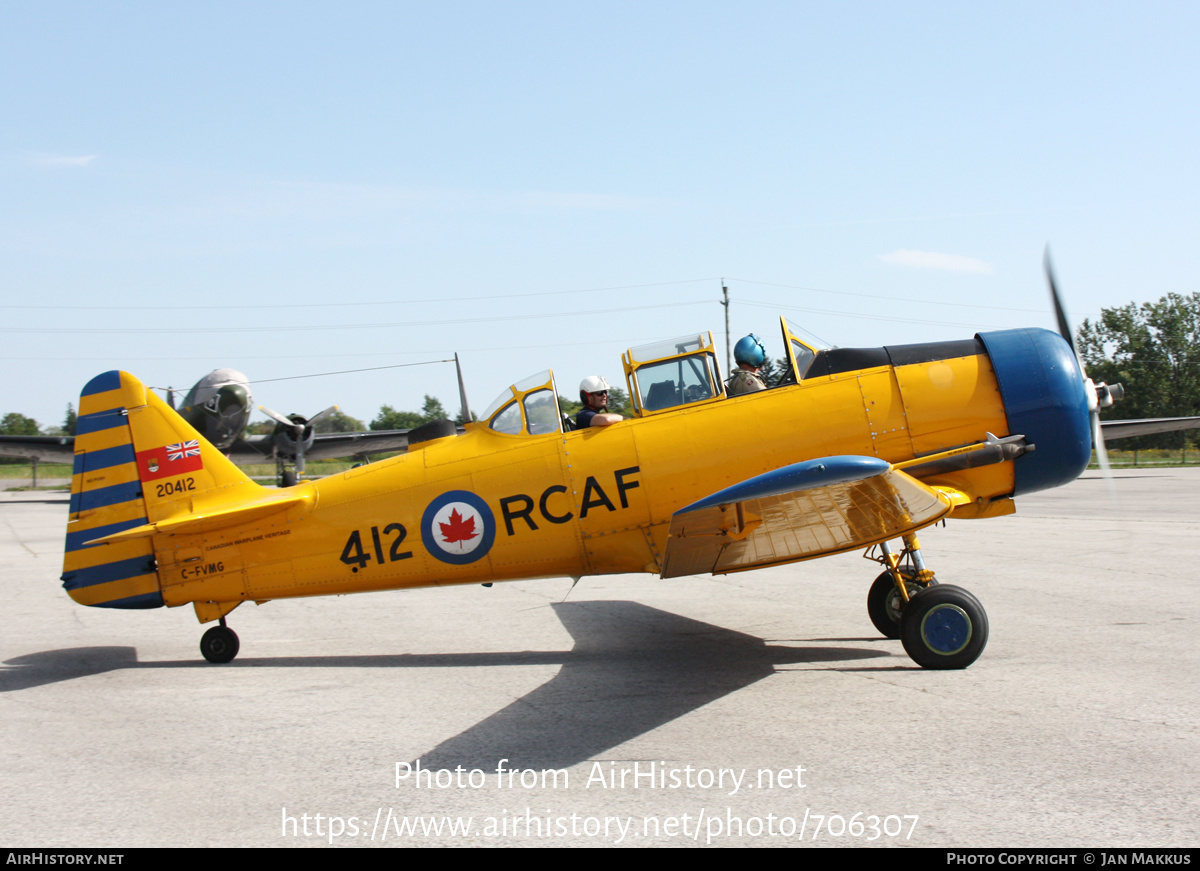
(137, 462)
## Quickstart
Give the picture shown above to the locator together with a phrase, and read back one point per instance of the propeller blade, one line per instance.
(1102, 456)
(1064, 327)
(278, 418)
(320, 415)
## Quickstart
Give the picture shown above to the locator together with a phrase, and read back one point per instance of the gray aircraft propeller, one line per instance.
(295, 434)
(1098, 395)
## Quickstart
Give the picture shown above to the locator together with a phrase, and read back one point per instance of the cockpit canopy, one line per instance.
(529, 407)
(666, 375)
(660, 376)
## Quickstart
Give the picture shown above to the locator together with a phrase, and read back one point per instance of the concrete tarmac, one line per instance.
(753, 709)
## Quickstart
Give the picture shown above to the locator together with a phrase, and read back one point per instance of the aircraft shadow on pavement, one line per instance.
(632, 669)
(52, 666)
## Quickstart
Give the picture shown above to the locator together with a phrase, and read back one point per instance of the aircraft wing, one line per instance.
(798, 512)
(325, 446)
(44, 449)
(1127, 429)
(352, 444)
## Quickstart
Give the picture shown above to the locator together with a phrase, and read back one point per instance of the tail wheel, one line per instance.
(944, 627)
(885, 604)
(220, 644)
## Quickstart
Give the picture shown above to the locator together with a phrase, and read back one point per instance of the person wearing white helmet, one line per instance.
(750, 355)
(593, 393)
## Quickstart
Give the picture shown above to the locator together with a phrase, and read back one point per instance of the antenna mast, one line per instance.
(725, 302)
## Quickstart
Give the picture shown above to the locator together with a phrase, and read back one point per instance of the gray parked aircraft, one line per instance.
(219, 406)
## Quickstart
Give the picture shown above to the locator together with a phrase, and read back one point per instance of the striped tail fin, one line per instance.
(136, 463)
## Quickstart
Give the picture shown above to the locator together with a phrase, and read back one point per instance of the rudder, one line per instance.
(136, 463)
(106, 497)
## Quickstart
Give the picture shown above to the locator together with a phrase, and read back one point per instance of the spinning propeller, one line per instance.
(1098, 395)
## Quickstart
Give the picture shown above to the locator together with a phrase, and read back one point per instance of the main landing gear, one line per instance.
(220, 644)
(941, 626)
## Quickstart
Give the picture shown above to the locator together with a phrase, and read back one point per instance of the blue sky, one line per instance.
(296, 188)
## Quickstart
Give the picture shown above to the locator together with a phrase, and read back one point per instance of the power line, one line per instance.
(566, 343)
(894, 298)
(326, 327)
(444, 299)
(349, 371)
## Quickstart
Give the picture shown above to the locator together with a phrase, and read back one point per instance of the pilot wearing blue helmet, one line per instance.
(750, 354)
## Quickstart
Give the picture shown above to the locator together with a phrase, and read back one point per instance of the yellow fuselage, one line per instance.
(580, 503)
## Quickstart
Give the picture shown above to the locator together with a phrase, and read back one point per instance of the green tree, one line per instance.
(18, 424)
(618, 402)
(339, 422)
(568, 407)
(1153, 349)
(390, 418)
(67, 428)
(773, 371)
(433, 409)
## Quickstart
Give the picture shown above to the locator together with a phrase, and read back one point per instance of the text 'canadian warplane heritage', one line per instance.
(857, 448)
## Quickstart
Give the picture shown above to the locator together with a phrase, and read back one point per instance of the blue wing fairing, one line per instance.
(809, 475)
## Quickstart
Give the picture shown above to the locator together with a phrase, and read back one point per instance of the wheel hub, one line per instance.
(946, 629)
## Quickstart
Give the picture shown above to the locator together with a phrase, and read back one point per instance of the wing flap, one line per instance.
(799, 512)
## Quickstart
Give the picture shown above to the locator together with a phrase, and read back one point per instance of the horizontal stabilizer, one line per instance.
(210, 521)
(798, 512)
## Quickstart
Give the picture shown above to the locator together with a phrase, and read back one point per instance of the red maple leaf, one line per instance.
(458, 529)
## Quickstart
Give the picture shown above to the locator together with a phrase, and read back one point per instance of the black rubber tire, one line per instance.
(289, 478)
(884, 603)
(944, 627)
(220, 644)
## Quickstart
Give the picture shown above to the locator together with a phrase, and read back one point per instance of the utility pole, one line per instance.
(725, 302)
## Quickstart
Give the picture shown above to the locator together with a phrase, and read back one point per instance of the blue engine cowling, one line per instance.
(1046, 401)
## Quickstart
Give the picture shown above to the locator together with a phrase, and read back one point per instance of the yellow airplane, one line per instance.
(858, 448)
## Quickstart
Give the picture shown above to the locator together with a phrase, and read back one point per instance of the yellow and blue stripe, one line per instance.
(106, 498)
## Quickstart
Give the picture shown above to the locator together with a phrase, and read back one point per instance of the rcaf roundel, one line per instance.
(458, 527)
